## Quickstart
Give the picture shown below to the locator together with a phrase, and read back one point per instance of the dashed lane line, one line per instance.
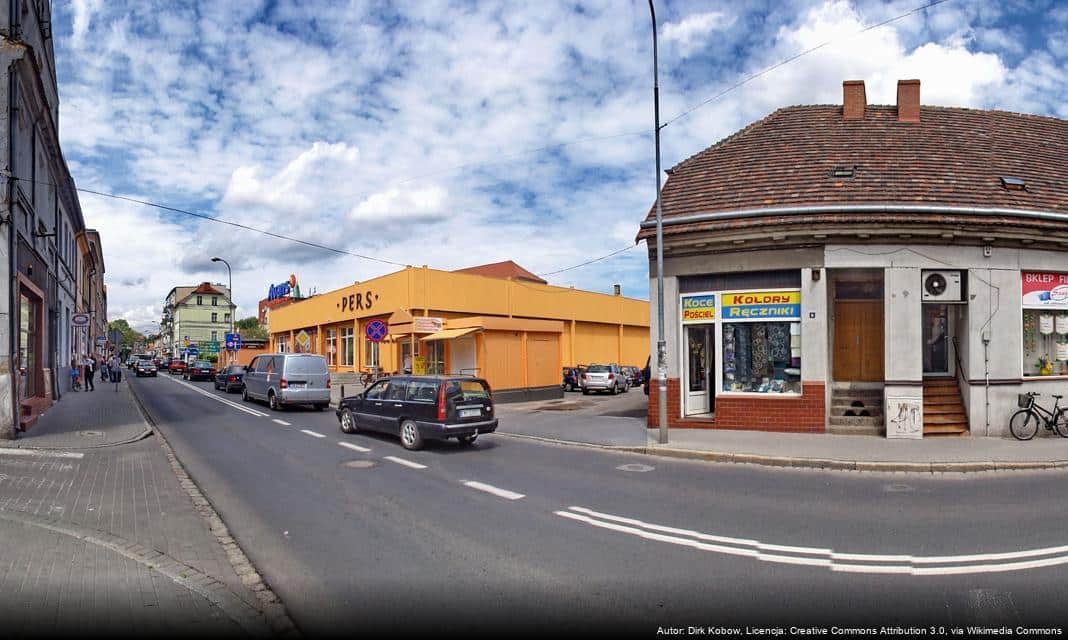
(281, 422)
(501, 493)
(234, 405)
(354, 447)
(407, 463)
(314, 434)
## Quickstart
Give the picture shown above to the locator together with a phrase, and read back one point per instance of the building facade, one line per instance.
(508, 327)
(893, 270)
(43, 264)
(196, 316)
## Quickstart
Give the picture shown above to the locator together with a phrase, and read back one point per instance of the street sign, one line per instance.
(211, 346)
(79, 320)
(115, 337)
(303, 339)
(376, 331)
(233, 341)
(101, 339)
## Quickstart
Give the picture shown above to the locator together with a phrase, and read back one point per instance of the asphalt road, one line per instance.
(559, 538)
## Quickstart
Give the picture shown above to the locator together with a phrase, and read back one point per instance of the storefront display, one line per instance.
(761, 356)
(1044, 323)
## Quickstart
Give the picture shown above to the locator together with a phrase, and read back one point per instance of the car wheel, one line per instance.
(320, 406)
(272, 402)
(468, 440)
(347, 422)
(410, 437)
(614, 390)
(244, 395)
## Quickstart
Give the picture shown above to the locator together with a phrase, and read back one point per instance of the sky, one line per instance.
(452, 134)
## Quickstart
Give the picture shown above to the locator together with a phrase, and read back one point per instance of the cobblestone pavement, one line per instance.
(102, 539)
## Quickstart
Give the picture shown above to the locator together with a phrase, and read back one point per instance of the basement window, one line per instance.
(840, 171)
(1011, 183)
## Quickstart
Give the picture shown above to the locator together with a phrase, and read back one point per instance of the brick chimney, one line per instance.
(908, 100)
(853, 100)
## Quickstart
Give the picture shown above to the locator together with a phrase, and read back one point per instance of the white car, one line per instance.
(604, 377)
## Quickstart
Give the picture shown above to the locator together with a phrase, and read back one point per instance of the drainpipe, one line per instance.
(11, 263)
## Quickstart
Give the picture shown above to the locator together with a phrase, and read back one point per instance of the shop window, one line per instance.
(762, 357)
(283, 344)
(1045, 342)
(435, 357)
(347, 347)
(331, 346)
(406, 356)
(370, 355)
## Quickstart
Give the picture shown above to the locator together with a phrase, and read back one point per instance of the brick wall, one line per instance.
(771, 413)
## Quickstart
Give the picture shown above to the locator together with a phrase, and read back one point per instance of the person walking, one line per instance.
(116, 368)
(74, 373)
(90, 372)
(105, 373)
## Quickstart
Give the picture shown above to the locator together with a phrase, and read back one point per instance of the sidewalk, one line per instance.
(104, 533)
(572, 422)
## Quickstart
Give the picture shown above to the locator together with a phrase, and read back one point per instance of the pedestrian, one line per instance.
(116, 368)
(74, 386)
(90, 372)
(105, 373)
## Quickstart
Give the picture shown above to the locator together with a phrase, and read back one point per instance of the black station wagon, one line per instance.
(419, 408)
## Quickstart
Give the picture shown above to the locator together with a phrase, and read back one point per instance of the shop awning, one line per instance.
(448, 334)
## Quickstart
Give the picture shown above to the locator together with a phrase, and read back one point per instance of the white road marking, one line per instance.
(40, 453)
(314, 434)
(407, 463)
(354, 447)
(819, 557)
(502, 493)
(258, 414)
(281, 422)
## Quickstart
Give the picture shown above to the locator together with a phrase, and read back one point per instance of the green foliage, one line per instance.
(250, 328)
(130, 336)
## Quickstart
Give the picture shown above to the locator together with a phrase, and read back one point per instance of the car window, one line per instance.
(422, 391)
(237, 369)
(376, 391)
(305, 364)
(263, 364)
(462, 390)
(598, 368)
(396, 391)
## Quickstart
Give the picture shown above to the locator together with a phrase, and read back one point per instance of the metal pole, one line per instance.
(661, 344)
(230, 294)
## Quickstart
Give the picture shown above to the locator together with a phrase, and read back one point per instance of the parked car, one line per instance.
(647, 375)
(176, 365)
(199, 369)
(145, 368)
(131, 362)
(571, 379)
(634, 376)
(230, 378)
(283, 379)
(604, 377)
(420, 408)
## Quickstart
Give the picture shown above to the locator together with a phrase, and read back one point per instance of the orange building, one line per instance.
(499, 322)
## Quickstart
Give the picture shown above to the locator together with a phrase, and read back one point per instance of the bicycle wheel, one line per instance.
(1023, 424)
(1060, 424)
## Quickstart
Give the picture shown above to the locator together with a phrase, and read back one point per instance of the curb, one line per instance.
(242, 613)
(271, 607)
(827, 464)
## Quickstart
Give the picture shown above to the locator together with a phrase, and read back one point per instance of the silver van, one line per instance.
(283, 379)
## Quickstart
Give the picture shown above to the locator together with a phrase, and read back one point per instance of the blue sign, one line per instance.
(192, 351)
(233, 341)
(376, 330)
(278, 291)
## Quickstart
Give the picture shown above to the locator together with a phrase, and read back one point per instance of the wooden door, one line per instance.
(858, 340)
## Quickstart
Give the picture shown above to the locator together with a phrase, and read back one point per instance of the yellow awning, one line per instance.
(448, 334)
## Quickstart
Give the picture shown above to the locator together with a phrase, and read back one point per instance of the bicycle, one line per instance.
(369, 377)
(1024, 423)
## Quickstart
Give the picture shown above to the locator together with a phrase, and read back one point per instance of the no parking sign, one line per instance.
(376, 331)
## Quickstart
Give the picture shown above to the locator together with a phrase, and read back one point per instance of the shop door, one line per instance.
(700, 369)
(858, 340)
(28, 349)
(936, 328)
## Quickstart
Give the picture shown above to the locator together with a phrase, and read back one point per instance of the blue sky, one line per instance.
(458, 133)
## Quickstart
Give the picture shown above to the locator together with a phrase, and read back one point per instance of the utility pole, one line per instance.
(661, 343)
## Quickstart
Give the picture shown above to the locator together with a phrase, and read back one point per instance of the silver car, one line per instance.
(604, 377)
(283, 379)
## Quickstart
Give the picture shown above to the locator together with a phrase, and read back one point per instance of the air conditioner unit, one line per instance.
(942, 286)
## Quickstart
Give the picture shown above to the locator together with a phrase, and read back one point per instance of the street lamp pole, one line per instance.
(230, 295)
(661, 344)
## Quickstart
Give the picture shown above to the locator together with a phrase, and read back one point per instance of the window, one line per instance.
(214, 317)
(422, 391)
(435, 357)
(1045, 323)
(214, 336)
(214, 301)
(347, 347)
(370, 355)
(762, 357)
(200, 300)
(396, 391)
(283, 344)
(377, 390)
(226, 317)
(331, 347)
(406, 356)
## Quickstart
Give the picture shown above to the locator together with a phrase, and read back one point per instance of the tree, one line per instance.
(130, 336)
(250, 328)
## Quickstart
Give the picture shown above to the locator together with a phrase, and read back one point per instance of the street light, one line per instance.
(230, 286)
(661, 344)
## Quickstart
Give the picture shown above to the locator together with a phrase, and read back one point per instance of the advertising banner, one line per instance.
(761, 305)
(1044, 289)
(698, 308)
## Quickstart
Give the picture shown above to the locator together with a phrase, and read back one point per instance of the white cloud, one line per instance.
(692, 32)
(410, 204)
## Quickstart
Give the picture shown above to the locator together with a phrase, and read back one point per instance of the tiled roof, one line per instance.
(202, 288)
(953, 157)
(506, 269)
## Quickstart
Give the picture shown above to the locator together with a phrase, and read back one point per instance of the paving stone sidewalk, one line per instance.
(102, 539)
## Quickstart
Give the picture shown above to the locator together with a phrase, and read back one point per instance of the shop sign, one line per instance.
(79, 320)
(1045, 289)
(761, 305)
(419, 365)
(284, 289)
(357, 301)
(427, 324)
(700, 308)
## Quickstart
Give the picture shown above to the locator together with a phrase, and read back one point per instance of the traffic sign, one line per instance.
(233, 341)
(376, 330)
(211, 346)
(303, 339)
(101, 339)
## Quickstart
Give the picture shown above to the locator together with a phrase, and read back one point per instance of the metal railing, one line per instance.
(961, 376)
